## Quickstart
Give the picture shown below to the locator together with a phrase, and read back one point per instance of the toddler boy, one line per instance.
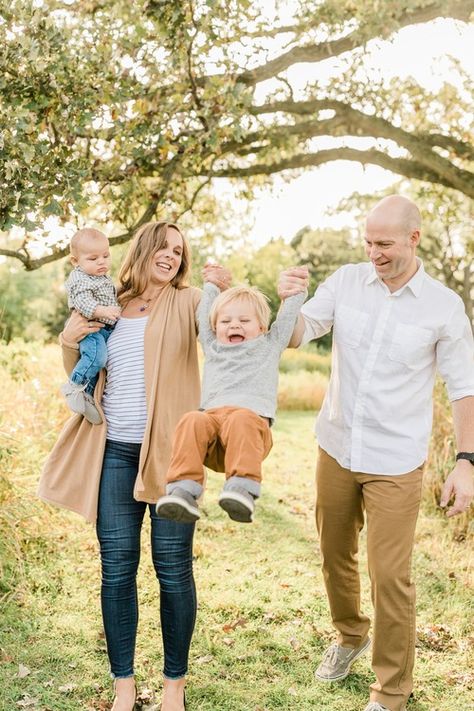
(92, 293)
(231, 431)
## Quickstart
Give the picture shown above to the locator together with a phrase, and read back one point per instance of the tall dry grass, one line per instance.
(31, 414)
(32, 411)
(301, 390)
(303, 381)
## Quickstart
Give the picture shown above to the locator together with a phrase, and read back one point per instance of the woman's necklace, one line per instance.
(146, 302)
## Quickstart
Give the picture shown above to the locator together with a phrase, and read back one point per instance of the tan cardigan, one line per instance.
(71, 474)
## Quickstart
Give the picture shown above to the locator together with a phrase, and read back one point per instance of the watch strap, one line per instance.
(466, 455)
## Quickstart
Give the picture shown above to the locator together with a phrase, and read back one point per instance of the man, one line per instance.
(393, 326)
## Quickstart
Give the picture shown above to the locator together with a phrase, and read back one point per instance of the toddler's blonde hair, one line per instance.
(251, 295)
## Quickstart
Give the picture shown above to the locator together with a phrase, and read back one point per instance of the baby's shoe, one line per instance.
(238, 498)
(81, 402)
(91, 413)
(179, 505)
(74, 395)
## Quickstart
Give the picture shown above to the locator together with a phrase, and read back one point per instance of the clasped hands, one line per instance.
(291, 281)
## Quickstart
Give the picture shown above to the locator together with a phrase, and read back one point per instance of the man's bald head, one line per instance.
(86, 239)
(397, 211)
(392, 235)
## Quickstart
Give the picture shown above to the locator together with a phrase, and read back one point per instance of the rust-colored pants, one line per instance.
(233, 440)
(391, 504)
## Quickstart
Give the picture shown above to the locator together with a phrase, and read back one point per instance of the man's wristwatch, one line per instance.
(466, 455)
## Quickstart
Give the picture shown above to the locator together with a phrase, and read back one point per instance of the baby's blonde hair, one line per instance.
(80, 236)
(251, 295)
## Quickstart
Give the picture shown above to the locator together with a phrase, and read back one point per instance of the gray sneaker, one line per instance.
(74, 396)
(91, 413)
(180, 506)
(337, 661)
(375, 706)
(238, 503)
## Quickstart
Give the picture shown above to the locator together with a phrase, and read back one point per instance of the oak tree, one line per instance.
(130, 110)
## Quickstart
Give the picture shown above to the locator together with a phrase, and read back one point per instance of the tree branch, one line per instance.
(463, 149)
(352, 122)
(456, 9)
(16, 255)
(408, 168)
(312, 106)
(194, 197)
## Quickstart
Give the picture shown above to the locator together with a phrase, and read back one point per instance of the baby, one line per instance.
(92, 293)
(231, 431)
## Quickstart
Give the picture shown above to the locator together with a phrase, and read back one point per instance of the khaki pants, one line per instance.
(391, 504)
(233, 440)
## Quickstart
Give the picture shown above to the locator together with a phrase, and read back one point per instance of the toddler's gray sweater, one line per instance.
(244, 374)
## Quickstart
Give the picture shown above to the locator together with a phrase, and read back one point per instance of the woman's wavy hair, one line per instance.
(135, 270)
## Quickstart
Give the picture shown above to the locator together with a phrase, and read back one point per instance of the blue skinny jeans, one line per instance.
(119, 524)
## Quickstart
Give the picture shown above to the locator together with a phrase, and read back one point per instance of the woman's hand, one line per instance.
(77, 327)
(293, 281)
(220, 276)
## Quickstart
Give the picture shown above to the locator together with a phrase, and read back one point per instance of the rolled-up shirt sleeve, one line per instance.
(455, 354)
(318, 312)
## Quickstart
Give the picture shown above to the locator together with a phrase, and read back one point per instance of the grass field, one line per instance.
(263, 620)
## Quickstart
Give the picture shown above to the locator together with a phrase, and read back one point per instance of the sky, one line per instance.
(419, 51)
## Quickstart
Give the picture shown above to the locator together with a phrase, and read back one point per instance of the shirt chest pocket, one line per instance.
(349, 325)
(413, 346)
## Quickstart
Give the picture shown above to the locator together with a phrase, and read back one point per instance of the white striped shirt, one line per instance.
(124, 398)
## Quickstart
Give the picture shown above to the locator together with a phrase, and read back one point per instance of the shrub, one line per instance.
(301, 390)
(309, 360)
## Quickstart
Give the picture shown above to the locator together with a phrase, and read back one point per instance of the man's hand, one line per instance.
(217, 275)
(293, 281)
(460, 484)
(112, 313)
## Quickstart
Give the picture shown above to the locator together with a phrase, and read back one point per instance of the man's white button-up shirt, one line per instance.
(377, 413)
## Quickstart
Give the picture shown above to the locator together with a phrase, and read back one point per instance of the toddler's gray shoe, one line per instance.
(238, 503)
(375, 706)
(180, 506)
(337, 661)
(91, 413)
(74, 396)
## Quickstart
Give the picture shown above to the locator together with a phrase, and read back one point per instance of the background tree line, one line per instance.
(33, 304)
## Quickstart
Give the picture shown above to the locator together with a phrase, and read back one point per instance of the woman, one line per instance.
(110, 473)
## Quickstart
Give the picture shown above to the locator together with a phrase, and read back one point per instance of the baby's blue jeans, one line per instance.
(93, 350)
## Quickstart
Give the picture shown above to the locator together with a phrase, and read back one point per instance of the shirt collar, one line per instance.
(415, 284)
